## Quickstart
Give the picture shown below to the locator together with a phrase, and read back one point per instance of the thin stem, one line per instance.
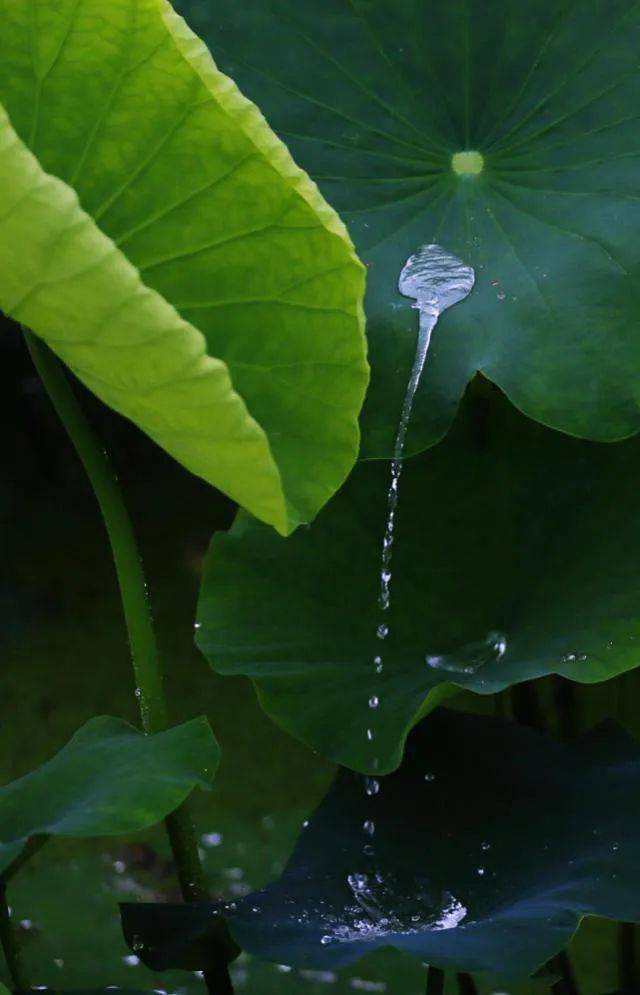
(11, 945)
(566, 984)
(435, 981)
(526, 706)
(466, 984)
(567, 708)
(629, 978)
(31, 847)
(135, 604)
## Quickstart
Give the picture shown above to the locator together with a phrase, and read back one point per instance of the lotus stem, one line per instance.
(11, 945)
(435, 981)
(133, 593)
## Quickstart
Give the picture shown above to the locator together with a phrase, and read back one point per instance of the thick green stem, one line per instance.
(133, 590)
(133, 593)
(11, 945)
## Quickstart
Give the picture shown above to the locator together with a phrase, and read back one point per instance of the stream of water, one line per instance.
(436, 280)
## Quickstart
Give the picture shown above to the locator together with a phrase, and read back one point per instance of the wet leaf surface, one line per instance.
(516, 555)
(490, 843)
(377, 101)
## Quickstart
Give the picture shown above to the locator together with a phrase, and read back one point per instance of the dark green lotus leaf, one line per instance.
(489, 845)
(108, 780)
(376, 98)
(517, 554)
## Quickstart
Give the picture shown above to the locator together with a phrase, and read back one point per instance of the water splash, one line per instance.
(381, 905)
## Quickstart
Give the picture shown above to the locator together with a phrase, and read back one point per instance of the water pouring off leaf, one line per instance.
(436, 280)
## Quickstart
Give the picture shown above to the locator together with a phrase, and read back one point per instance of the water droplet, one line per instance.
(480, 871)
(369, 827)
(324, 940)
(382, 631)
(377, 663)
(368, 850)
(372, 786)
(211, 839)
(369, 734)
(429, 777)
(374, 701)
(485, 846)
(357, 882)
(501, 295)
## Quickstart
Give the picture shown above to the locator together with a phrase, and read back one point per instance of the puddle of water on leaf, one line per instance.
(472, 657)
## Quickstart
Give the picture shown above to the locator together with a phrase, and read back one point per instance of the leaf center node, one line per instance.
(468, 163)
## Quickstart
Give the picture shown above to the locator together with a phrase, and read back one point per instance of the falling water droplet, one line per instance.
(369, 827)
(377, 663)
(374, 701)
(382, 631)
(372, 785)
(357, 882)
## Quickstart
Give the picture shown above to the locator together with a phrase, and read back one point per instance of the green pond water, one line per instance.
(64, 659)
